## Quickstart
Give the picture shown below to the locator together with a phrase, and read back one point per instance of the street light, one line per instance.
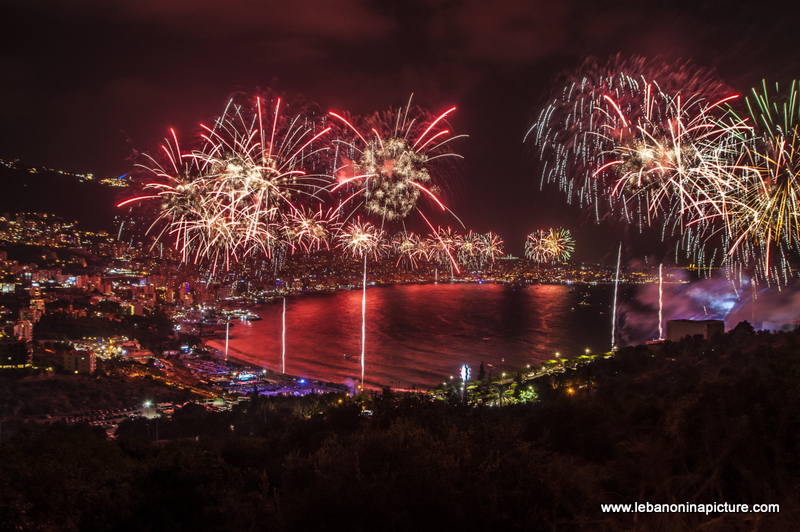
(147, 405)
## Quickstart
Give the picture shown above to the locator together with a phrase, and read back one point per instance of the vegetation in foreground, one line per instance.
(695, 421)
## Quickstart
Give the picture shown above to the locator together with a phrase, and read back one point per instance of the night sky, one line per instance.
(87, 82)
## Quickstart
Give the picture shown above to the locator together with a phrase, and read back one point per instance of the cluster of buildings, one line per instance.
(70, 273)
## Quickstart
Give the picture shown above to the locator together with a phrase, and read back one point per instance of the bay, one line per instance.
(418, 335)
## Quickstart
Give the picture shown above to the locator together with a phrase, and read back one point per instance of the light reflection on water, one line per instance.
(421, 334)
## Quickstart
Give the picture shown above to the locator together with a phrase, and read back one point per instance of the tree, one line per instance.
(743, 328)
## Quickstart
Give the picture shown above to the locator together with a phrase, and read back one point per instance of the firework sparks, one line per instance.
(362, 239)
(659, 145)
(561, 245)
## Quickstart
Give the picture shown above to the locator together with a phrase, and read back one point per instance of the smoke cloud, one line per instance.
(716, 298)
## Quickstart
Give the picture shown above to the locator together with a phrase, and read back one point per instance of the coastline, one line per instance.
(275, 298)
(495, 325)
(288, 383)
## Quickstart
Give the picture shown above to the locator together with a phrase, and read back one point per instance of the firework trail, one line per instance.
(229, 196)
(388, 162)
(444, 246)
(660, 303)
(614, 312)
(283, 336)
(362, 240)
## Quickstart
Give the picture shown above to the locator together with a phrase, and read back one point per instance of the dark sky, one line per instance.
(85, 82)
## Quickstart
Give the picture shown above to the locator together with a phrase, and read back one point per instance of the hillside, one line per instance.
(90, 203)
(693, 422)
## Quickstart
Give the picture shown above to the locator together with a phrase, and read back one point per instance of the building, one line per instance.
(137, 355)
(79, 362)
(15, 354)
(23, 330)
(677, 329)
(30, 314)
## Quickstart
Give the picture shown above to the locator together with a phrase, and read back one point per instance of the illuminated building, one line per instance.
(15, 354)
(677, 329)
(79, 362)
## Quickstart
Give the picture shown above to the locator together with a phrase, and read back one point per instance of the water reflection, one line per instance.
(420, 334)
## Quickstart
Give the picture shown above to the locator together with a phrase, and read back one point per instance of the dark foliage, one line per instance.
(695, 421)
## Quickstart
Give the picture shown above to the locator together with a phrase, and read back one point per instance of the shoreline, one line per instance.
(403, 365)
(527, 373)
(240, 363)
(287, 382)
(272, 299)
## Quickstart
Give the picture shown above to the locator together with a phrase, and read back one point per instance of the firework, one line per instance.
(362, 240)
(410, 249)
(491, 247)
(307, 231)
(444, 246)
(669, 146)
(388, 161)
(424, 250)
(560, 244)
(227, 198)
(758, 200)
(469, 249)
(393, 163)
(629, 138)
(536, 248)
(555, 245)
(614, 313)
